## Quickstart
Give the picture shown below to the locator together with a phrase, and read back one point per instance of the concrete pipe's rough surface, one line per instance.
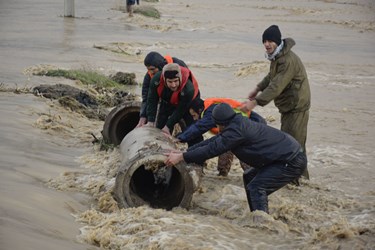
(143, 179)
(120, 121)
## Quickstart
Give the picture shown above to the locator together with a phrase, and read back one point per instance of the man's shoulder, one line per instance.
(209, 109)
(189, 86)
(179, 62)
(238, 121)
(155, 81)
(289, 42)
(287, 47)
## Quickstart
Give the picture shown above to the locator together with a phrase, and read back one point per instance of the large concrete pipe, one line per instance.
(120, 121)
(143, 179)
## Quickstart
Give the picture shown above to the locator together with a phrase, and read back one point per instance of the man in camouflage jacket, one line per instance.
(286, 84)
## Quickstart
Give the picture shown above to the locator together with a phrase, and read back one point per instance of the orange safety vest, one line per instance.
(186, 75)
(169, 60)
(233, 103)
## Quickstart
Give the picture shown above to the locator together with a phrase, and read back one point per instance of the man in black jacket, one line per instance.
(276, 157)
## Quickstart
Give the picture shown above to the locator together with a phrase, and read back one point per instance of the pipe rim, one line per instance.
(123, 192)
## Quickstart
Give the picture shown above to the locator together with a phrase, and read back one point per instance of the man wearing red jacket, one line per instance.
(175, 88)
(154, 63)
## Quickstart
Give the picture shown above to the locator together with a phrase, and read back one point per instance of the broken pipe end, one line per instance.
(160, 187)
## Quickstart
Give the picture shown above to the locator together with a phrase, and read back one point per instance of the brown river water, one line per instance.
(55, 185)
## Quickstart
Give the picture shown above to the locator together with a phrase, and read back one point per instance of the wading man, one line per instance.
(286, 84)
(276, 157)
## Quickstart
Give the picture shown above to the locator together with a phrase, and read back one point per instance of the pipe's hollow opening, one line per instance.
(125, 124)
(160, 188)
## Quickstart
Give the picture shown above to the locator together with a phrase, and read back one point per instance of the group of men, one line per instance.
(270, 158)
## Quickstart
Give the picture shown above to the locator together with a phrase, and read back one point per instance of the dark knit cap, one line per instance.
(171, 71)
(272, 33)
(197, 105)
(223, 114)
(154, 59)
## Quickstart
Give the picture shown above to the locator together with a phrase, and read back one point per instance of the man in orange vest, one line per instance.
(175, 88)
(154, 63)
(201, 111)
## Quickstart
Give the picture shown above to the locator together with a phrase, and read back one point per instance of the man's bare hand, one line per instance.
(149, 124)
(142, 122)
(253, 93)
(173, 158)
(248, 105)
(166, 130)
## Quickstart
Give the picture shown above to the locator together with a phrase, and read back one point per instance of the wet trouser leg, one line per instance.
(248, 176)
(295, 124)
(259, 183)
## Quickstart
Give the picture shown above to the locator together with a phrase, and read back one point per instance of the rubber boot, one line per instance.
(256, 198)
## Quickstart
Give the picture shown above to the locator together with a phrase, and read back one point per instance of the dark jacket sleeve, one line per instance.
(217, 145)
(153, 98)
(200, 144)
(185, 98)
(253, 143)
(145, 88)
(199, 127)
(179, 62)
(257, 118)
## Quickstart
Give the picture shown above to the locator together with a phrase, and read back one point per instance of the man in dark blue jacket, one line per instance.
(201, 111)
(276, 157)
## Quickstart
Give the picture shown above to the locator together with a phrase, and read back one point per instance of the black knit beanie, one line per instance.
(154, 59)
(272, 33)
(197, 105)
(223, 114)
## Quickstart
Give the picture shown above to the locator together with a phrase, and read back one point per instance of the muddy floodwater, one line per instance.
(55, 185)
